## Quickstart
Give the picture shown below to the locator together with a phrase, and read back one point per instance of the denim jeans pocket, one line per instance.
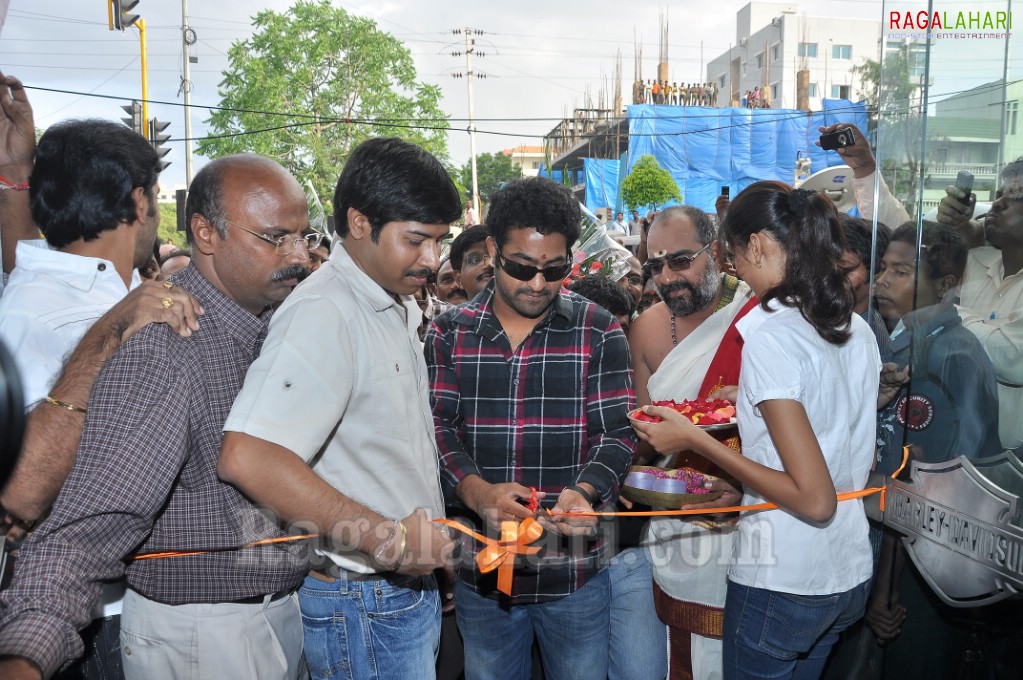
(793, 623)
(405, 630)
(395, 601)
(325, 630)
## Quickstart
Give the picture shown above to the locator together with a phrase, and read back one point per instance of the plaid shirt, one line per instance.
(145, 480)
(552, 413)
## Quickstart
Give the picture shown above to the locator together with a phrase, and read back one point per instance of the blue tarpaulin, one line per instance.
(706, 148)
(573, 175)
(601, 183)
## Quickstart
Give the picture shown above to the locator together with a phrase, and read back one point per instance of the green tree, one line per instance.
(649, 185)
(492, 170)
(168, 230)
(334, 80)
(896, 115)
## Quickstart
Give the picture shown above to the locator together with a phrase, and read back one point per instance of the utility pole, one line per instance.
(187, 40)
(470, 49)
(1002, 100)
(141, 24)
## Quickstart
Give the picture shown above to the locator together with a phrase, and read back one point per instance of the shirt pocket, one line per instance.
(392, 394)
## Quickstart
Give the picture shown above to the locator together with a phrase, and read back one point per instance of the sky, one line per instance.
(542, 59)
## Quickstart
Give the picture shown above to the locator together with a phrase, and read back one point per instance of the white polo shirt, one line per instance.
(50, 301)
(341, 381)
(783, 357)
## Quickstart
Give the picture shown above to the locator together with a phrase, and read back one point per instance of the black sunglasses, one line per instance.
(525, 272)
(675, 262)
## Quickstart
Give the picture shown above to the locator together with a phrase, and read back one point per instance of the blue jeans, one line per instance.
(572, 632)
(365, 630)
(639, 640)
(780, 635)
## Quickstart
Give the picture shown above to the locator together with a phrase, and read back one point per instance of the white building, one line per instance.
(169, 194)
(529, 158)
(773, 43)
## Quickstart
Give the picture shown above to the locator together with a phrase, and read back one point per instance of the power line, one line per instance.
(759, 119)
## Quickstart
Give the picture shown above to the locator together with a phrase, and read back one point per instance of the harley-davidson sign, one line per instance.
(962, 527)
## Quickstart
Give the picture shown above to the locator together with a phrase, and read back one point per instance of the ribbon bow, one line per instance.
(500, 554)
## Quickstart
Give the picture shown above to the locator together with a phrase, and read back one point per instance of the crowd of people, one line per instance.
(665, 93)
(755, 99)
(234, 467)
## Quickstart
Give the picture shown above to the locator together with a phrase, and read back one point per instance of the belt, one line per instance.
(332, 573)
(260, 599)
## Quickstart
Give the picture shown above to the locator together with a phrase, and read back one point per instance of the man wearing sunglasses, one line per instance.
(683, 348)
(531, 390)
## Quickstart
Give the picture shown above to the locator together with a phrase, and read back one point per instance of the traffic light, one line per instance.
(135, 121)
(158, 138)
(121, 14)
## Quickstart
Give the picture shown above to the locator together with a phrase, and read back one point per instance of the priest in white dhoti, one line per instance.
(688, 348)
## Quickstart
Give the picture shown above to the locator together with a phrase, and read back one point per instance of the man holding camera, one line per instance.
(991, 298)
(858, 156)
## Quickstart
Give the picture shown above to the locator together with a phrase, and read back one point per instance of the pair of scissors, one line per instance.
(540, 512)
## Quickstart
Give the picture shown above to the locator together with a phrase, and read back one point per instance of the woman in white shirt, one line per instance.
(806, 410)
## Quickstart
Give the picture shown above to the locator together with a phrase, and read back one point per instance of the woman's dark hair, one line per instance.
(536, 202)
(806, 226)
(944, 250)
(391, 180)
(83, 176)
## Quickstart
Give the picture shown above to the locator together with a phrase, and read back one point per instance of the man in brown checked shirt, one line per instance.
(144, 479)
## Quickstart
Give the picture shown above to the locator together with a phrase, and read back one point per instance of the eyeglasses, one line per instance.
(675, 262)
(475, 259)
(525, 272)
(286, 244)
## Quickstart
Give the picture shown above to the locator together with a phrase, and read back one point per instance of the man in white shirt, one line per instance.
(618, 226)
(333, 425)
(991, 296)
(634, 223)
(470, 218)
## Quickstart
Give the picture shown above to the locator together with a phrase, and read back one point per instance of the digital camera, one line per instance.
(838, 139)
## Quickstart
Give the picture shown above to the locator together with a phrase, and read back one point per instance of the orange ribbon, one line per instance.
(517, 536)
(500, 555)
(253, 544)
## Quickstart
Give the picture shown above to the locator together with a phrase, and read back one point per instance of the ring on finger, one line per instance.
(167, 303)
(168, 285)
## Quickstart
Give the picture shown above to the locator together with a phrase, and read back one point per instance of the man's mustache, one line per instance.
(294, 271)
(669, 288)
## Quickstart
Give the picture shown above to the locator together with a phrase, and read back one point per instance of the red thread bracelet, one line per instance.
(8, 184)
